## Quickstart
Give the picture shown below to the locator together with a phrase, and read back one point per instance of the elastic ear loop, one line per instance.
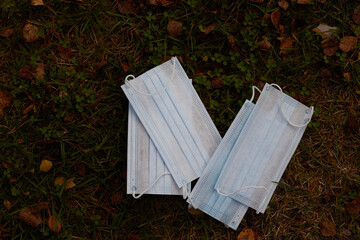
(148, 188)
(243, 188)
(253, 92)
(157, 92)
(282, 111)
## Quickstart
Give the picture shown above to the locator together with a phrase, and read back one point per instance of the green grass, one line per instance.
(80, 113)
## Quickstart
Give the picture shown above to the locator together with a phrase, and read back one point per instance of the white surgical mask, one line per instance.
(204, 196)
(175, 119)
(264, 148)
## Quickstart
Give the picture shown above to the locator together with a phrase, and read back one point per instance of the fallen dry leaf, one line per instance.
(351, 207)
(29, 217)
(45, 165)
(195, 211)
(356, 15)
(26, 73)
(283, 4)
(300, 1)
(40, 71)
(37, 3)
(348, 43)
(248, 234)
(7, 32)
(68, 184)
(65, 53)
(264, 44)
(347, 75)
(174, 28)
(232, 43)
(7, 204)
(126, 7)
(152, 2)
(80, 169)
(54, 224)
(100, 64)
(5, 100)
(257, 1)
(330, 46)
(324, 30)
(275, 18)
(217, 82)
(116, 198)
(30, 32)
(59, 181)
(29, 108)
(124, 66)
(285, 44)
(165, 3)
(321, 1)
(209, 29)
(328, 229)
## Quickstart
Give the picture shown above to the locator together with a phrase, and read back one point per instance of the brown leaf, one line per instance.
(100, 64)
(37, 3)
(26, 73)
(68, 184)
(330, 46)
(45, 165)
(283, 4)
(248, 234)
(126, 7)
(80, 169)
(275, 18)
(347, 75)
(264, 44)
(174, 28)
(152, 2)
(40, 206)
(195, 211)
(7, 204)
(321, 1)
(30, 32)
(232, 43)
(328, 229)
(65, 53)
(257, 1)
(29, 217)
(285, 44)
(351, 207)
(5, 100)
(40, 71)
(7, 32)
(124, 66)
(116, 198)
(348, 43)
(54, 224)
(351, 126)
(209, 29)
(29, 108)
(300, 1)
(165, 3)
(217, 82)
(356, 15)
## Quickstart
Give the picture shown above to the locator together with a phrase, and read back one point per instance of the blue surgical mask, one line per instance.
(264, 148)
(175, 119)
(204, 196)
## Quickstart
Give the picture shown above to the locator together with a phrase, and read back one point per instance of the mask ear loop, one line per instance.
(127, 82)
(148, 188)
(243, 188)
(282, 111)
(253, 92)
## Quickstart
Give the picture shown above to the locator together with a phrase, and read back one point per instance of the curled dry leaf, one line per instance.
(68, 184)
(328, 229)
(324, 30)
(275, 18)
(283, 4)
(285, 44)
(7, 204)
(30, 32)
(264, 44)
(152, 2)
(124, 66)
(40, 71)
(126, 7)
(54, 224)
(300, 1)
(248, 234)
(26, 73)
(37, 3)
(65, 53)
(5, 100)
(348, 43)
(209, 29)
(356, 15)
(7, 32)
(45, 165)
(330, 46)
(217, 82)
(29, 217)
(174, 28)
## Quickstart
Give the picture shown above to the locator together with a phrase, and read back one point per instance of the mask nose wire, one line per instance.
(149, 187)
(127, 82)
(282, 111)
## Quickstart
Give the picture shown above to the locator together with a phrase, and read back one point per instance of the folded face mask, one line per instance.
(175, 119)
(264, 148)
(146, 170)
(204, 196)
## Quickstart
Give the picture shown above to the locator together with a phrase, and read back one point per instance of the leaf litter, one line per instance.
(30, 32)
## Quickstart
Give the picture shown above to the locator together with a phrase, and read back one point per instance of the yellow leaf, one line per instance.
(70, 183)
(37, 3)
(45, 165)
(248, 234)
(59, 181)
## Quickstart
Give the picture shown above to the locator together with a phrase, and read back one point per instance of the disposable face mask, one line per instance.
(146, 170)
(175, 119)
(264, 148)
(204, 196)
